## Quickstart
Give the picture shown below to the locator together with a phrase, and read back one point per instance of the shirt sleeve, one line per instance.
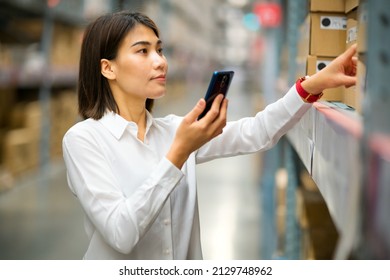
(257, 133)
(121, 220)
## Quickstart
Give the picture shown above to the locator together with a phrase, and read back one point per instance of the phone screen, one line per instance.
(219, 84)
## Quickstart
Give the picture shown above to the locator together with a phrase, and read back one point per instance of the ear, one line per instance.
(106, 68)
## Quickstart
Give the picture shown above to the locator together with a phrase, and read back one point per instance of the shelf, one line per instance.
(328, 141)
(70, 11)
(59, 77)
(348, 156)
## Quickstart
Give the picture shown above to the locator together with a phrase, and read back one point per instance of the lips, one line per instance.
(161, 77)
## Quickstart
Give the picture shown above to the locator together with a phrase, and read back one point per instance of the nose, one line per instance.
(159, 61)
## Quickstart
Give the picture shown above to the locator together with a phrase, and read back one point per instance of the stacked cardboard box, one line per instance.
(322, 38)
(319, 234)
(329, 29)
(21, 140)
(20, 144)
(66, 45)
(21, 116)
(63, 116)
(20, 151)
(357, 21)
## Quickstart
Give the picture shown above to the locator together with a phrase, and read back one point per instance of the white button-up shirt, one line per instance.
(138, 205)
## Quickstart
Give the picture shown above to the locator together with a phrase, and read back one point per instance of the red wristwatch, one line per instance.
(308, 97)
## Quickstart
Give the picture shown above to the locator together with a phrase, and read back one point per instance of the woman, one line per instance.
(133, 174)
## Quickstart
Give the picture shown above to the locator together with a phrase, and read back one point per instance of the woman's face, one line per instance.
(140, 67)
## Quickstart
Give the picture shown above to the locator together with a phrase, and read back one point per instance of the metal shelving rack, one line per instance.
(347, 154)
(49, 76)
(374, 228)
(282, 155)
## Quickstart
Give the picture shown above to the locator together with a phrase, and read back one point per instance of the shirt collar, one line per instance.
(117, 124)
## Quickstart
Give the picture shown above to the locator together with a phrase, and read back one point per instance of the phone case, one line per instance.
(220, 83)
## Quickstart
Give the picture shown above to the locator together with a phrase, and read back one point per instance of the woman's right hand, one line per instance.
(193, 134)
(340, 72)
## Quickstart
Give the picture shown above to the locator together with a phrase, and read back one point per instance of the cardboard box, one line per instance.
(31, 26)
(353, 96)
(327, 34)
(350, 5)
(319, 234)
(63, 115)
(300, 211)
(361, 82)
(315, 64)
(303, 48)
(327, 6)
(349, 96)
(21, 151)
(323, 243)
(26, 115)
(3, 133)
(304, 39)
(352, 33)
(33, 116)
(7, 102)
(66, 45)
(362, 26)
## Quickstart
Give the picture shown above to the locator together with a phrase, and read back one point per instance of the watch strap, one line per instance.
(307, 97)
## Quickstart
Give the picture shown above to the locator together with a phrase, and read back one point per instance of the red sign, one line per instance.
(269, 14)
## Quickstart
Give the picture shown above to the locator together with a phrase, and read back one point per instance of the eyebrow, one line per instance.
(159, 42)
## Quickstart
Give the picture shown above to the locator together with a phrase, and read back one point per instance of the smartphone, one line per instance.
(219, 83)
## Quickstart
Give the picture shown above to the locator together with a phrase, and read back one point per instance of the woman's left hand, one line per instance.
(192, 133)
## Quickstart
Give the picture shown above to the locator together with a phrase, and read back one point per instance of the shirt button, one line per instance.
(167, 222)
(167, 252)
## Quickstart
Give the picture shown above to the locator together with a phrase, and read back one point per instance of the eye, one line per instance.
(160, 51)
(143, 51)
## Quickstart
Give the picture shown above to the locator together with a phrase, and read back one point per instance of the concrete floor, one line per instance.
(40, 218)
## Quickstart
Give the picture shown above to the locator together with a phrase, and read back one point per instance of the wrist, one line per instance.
(307, 90)
(177, 156)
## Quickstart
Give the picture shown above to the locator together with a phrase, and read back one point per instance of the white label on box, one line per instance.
(351, 34)
(333, 22)
(321, 64)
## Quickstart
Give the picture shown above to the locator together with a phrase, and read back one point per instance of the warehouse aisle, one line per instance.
(41, 219)
(229, 195)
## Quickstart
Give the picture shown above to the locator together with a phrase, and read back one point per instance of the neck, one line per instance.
(136, 115)
(134, 111)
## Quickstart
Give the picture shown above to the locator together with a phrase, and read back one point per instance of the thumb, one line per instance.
(196, 111)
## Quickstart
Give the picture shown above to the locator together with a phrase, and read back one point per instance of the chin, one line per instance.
(159, 95)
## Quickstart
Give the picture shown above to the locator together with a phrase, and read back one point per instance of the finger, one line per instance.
(350, 52)
(196, 111)
(215, 108)
(223, 109)
(223, 114)
(220, 122)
